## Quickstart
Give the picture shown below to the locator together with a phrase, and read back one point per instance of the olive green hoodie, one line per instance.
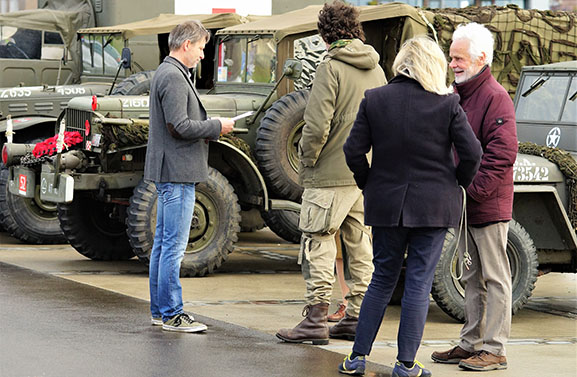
(338, 88)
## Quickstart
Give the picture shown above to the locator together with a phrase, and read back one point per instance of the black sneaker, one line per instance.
(183, 323)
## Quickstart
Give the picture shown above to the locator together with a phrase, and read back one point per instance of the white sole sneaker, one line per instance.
(156, 321)
(194, 327)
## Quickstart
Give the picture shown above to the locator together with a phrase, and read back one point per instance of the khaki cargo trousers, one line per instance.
(488, 290)
(323, 212)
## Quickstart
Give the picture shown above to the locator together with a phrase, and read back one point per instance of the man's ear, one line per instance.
(483, 58)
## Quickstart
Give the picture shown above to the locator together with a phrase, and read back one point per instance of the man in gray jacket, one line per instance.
(176, 159)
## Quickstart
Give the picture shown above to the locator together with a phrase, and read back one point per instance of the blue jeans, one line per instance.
(173, 218)
(424, 247)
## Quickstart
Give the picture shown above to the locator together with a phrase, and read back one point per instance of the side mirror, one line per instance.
(126, 57)
(293, 68)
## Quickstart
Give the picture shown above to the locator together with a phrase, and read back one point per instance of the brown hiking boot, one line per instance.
(339, 314)
(452, 356)
(345, 329)
(314, 328)
(484, 361)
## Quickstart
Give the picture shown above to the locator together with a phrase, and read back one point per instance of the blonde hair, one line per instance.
(421, 59)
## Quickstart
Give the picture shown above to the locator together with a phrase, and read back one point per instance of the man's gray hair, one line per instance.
(187, 31)
(480, 40)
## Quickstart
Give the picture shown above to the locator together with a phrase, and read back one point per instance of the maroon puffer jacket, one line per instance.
(491, 113)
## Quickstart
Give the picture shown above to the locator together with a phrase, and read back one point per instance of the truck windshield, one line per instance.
(542, 98)
(246, 59)
(101, 53)
(19, 43)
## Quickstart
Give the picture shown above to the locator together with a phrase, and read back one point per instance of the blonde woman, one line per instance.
(411, 191)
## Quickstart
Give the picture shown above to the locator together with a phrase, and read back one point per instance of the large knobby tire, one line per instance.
(214, 228)
(134, 85)
(91, 228)
(448, 292)
(277, 140)
(28, 219)
(283, 223)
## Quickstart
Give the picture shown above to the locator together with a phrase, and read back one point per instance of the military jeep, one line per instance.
(542, 234)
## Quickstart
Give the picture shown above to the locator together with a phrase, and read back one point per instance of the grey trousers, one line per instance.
(323, 212)
(488, 292)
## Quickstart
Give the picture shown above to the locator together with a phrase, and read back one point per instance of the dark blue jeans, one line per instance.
(424, 247)
(175, 208)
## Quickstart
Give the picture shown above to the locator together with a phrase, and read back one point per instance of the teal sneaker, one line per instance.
(183, 323)
(355, 367)
(156, 321)
(417, 370)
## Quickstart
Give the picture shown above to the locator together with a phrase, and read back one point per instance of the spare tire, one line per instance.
(277, 140)
(134, 85)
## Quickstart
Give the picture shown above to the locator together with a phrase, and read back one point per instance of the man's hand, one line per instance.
(226, 125)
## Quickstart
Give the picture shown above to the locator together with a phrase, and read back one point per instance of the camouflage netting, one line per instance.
(566, 164)
(522, 37)
(118, 136)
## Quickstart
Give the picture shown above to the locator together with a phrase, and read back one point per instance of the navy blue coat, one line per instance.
(413, 134)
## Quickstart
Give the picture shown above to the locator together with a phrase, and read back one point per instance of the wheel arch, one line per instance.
(30, 127)
(241, 171)
(540, 210)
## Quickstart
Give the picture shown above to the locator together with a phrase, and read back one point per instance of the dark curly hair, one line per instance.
(339, 21)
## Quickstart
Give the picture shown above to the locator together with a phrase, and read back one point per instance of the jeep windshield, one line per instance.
(547, 97)
(101, 53)
(246, 59)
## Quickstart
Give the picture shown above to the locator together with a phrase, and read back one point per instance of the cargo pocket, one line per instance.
(316, 210)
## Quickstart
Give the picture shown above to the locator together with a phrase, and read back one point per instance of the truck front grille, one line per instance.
(76, 121)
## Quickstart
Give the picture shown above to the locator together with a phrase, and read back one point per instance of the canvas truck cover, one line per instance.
(522, 37)
(164, 23)
(305, 20)
(64, 22)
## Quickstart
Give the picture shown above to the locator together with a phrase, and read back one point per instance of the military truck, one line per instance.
(255, 169)
(542, 234)
(105, 58)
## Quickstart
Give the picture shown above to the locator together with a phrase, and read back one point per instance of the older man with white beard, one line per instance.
(491, 115)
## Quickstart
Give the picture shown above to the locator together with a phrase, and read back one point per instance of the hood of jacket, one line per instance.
(356, 53)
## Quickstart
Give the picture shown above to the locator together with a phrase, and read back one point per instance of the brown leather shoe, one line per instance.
(484, 361)
(345, 329)
(339, 314)
(452, 356)
(314, 328)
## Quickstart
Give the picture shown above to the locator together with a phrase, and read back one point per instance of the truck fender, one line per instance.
(549, 218)
(22, 123)
(222, 154)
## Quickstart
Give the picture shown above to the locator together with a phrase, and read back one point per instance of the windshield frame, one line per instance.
(104, 39)
(244, 73)
(525, 93)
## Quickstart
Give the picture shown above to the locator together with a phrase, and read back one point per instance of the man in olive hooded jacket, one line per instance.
(331, 199)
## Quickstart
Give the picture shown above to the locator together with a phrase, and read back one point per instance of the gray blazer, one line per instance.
(179, 133)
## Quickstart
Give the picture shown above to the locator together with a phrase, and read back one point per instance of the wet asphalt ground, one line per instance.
(64, 315)
(54, 327)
